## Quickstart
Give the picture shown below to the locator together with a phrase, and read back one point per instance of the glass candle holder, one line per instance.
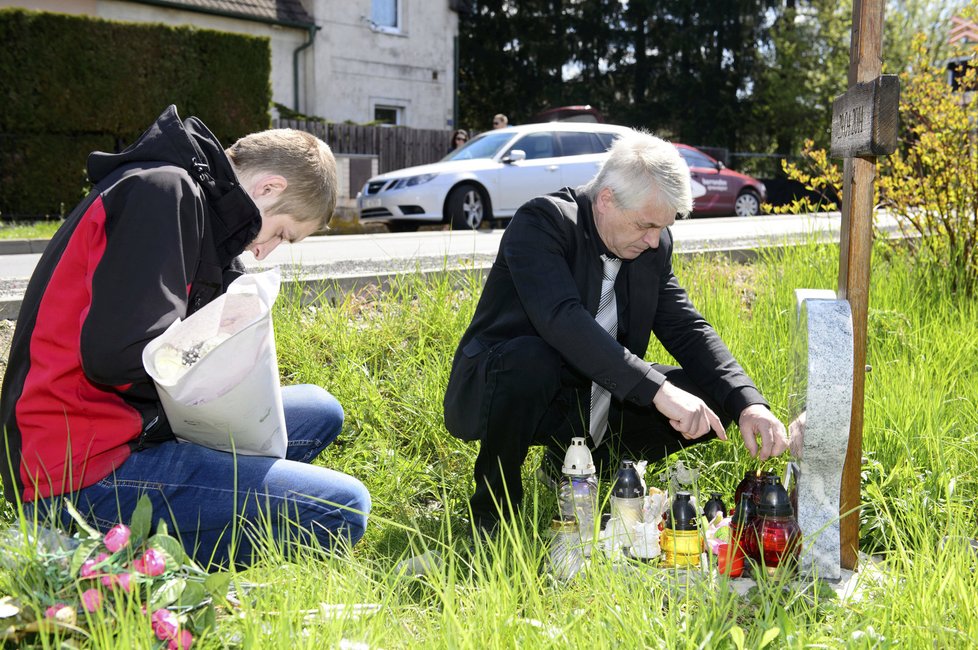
(680, 540)
(751, 485)
(780, 542)
(780, 535)
(730, 558)
(744, 528)
(680, 548)
(746, 486)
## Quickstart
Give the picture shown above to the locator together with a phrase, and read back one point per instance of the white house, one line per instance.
(356, 60)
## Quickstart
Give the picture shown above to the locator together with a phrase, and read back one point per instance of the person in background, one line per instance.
(499, 121)
(156, 240)
(582, 279)
(459, 138)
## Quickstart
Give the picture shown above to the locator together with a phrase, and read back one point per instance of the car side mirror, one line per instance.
(515, 155)
(720, 166)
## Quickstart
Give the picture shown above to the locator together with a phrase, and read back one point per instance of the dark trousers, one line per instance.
(534, 399)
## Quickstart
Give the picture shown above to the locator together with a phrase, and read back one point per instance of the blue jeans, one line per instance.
(217, 503)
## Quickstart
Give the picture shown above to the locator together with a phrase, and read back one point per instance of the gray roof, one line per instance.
(290, 12)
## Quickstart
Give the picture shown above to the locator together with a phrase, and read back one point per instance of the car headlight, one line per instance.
(411, 181)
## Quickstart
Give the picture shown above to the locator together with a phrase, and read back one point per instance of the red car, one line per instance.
(718, 191)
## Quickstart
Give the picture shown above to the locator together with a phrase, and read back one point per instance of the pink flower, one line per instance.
(117, 538)
(91, 600)
(152, 563)
(717, 532)
(183, 641)
(165, 624)
(117, 580)
(53, 610)
(88, 569)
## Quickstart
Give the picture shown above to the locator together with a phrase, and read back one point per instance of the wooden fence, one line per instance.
(396, 146)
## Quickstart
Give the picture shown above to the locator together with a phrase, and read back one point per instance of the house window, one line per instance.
(391, 115)
(386, 15)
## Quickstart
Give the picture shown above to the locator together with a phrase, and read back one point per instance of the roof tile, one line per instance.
(286, 11)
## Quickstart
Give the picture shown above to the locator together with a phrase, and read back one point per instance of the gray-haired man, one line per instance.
(582, 279)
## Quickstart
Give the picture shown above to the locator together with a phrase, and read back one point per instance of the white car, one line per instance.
(490, 177)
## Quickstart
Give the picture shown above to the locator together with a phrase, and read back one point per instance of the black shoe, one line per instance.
(485, 529)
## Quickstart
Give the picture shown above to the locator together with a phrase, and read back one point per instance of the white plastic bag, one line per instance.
(217, 374)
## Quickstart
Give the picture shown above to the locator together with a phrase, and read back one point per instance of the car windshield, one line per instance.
(486, 145)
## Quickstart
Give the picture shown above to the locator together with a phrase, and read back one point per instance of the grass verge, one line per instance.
(387, 356)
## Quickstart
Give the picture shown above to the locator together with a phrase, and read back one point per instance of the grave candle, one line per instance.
(780, 535)
(680, 540)
(743, 528)
(713, 507)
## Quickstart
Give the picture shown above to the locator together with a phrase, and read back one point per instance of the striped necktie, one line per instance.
(607, 317)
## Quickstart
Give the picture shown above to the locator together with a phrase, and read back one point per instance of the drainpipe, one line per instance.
(295, 64)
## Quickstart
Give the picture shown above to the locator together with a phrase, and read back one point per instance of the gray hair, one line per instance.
(640, 166)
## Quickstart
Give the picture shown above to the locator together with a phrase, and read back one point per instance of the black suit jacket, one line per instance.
(546, 282)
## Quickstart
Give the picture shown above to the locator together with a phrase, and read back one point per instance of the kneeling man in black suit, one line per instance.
(555, 348)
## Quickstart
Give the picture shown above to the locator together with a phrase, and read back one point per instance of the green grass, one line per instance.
(33, 230)
(387, 357)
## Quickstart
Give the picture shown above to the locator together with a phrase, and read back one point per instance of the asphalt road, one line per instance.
(342, 263)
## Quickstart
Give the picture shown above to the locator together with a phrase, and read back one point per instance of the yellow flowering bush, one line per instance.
(931, 182)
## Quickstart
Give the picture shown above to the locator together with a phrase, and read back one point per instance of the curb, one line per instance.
(22, 246)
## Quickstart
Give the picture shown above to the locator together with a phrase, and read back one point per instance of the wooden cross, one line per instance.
(864, 126)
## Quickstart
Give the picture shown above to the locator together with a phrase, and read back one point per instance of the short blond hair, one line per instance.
(306, 163)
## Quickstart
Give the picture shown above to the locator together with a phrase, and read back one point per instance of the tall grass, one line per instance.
(387, 356)
(29, 230)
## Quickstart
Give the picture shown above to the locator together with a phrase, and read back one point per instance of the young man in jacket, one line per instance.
(555, 348)
(156, 240)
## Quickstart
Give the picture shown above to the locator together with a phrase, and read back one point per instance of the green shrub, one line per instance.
(74, 84)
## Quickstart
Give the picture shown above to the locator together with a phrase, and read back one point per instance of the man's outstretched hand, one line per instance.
(687, 413)
(756, 421)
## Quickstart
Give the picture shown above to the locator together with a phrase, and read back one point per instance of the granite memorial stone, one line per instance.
(821, 406)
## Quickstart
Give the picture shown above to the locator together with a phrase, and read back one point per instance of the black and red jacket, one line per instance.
(155, 240)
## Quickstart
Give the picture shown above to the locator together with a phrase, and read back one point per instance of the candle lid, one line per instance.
(714, 506)
(577, 459)
(774, 501)
(682, 514)
(628, 484)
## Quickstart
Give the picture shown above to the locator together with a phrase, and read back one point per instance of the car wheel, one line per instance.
(747, 204)
(466, 208)
(403, 226)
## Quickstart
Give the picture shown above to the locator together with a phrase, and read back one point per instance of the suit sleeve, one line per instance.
(688, 337)
(139, 284)
(537, 249)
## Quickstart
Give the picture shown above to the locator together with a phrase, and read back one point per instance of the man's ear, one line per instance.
(606, 197)
(269, 186)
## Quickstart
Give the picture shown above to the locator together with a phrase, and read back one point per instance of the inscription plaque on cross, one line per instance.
(864, 126)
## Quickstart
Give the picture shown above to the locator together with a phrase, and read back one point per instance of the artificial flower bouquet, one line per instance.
(73, 586)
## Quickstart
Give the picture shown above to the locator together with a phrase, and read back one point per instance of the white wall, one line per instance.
(358, 67)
